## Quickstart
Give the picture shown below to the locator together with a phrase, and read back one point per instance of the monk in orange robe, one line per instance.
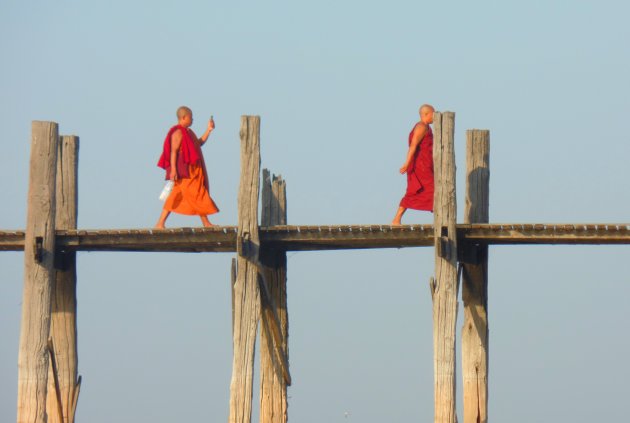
(419, 166)
(183, 161)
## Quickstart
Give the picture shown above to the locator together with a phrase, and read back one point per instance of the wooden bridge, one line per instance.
(329, 237)
(51, 240)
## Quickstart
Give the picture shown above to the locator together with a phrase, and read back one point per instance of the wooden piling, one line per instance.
(246, 299)
(63, 324)
(39, 249)
(444, 286)
(274, 375)
(475, 280)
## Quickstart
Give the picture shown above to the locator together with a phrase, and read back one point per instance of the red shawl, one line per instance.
(187, 153)
(420, 183)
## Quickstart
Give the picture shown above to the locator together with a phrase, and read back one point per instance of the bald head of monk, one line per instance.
(184, 116)
(426, 113)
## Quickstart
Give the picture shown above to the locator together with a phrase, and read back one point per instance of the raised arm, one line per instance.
(206, 134)
(418, 133)
(176, 142)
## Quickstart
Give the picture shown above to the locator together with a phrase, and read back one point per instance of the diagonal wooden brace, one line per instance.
(270, 318)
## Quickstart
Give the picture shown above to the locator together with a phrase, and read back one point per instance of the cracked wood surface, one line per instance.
(475, 281)
(325, 237)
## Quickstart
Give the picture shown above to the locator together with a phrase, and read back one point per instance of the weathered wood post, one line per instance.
(39, 275)
(63, 324)
(475, 280)
(444, 286)
(246, 301)
(274, 376)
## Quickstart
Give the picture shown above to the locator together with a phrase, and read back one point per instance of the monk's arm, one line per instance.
(176, 142)
(418, 134)
(206, 134)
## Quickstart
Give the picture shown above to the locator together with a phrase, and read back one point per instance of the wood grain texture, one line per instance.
(63, 324)
(246, 293)
(444, 286)
(274, 334)
(326, 237)
(39, 250)
(475, 281)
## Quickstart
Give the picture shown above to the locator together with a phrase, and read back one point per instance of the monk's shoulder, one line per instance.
(420, 128)
(176, 135)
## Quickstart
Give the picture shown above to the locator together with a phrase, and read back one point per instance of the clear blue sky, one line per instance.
(337, 85)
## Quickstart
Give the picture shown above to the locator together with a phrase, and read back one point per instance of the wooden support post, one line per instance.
(39, 275)
(475, 281)
(63, 324)
(444, 287)
(246, 299)
(274, 331)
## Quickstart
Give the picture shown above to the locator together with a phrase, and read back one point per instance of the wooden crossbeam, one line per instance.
(339, 237)
(547, 233)
(12, 240)
(329, 237)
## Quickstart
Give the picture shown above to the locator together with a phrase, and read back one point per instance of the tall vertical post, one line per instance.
(274, 354)
(475, 280)
(246, 299)
(444, 286)
(39, 275)
(63, 325)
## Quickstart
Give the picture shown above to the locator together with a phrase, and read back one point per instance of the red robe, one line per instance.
(188, 154)
(419, 195)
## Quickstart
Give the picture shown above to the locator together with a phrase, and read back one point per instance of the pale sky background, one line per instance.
(337, 85)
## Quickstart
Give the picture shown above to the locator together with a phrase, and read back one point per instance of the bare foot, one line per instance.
(398, 217)
(162, 220)
(207, 224)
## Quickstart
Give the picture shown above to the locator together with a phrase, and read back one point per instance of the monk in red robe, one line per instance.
(183, 161)
(418, 167)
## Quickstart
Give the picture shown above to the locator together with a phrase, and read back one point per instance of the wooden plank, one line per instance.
(246, 292)
(475, 281)
(343, 237)
(39, 275)
(11, 240)
(550, 234)
(207, 239)
(63, 324)
(307, 238)
(444, 286)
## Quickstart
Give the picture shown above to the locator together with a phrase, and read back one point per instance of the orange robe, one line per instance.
(191, 193)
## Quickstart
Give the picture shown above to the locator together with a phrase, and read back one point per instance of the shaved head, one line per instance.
(426, 113)
(426, 107)
(183, 111)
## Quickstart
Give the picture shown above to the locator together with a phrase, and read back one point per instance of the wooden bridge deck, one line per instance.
(333, 237)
